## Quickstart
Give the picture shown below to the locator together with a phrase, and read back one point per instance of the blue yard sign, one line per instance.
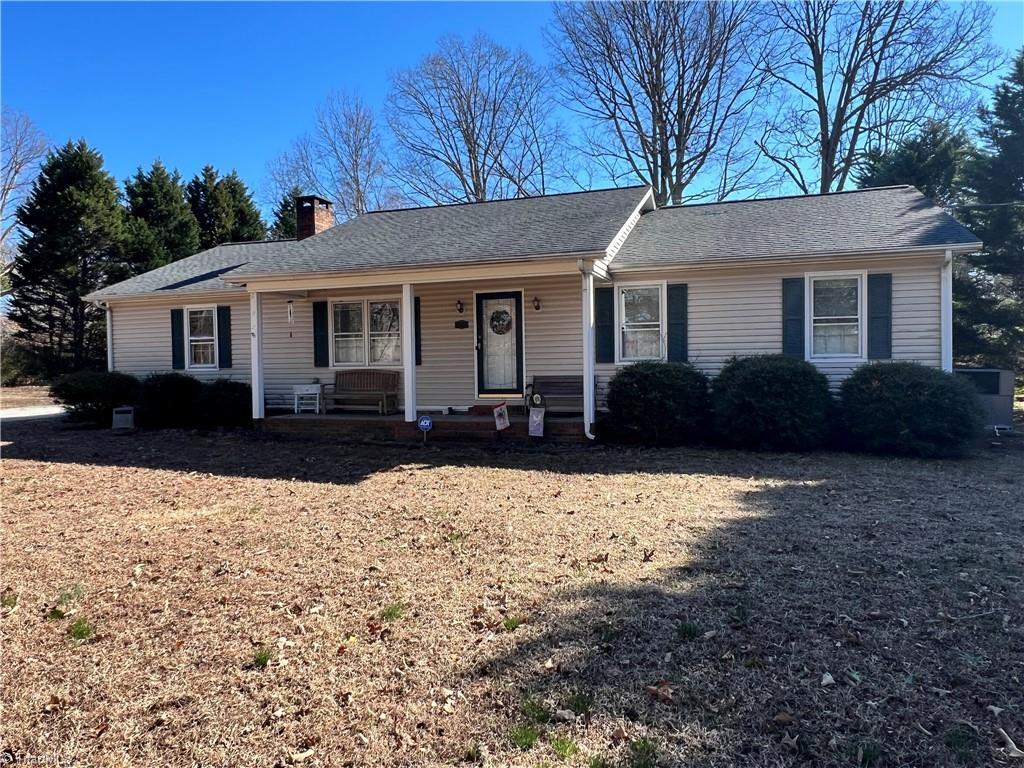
(425, 423)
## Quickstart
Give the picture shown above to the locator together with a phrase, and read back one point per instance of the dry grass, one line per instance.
(237, 601)
(20, 397)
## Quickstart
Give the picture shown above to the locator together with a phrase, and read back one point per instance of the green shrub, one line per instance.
(771, 402)
(169, 400)
(659, 403)
(910, 409)
(93, 395)
(226, 403)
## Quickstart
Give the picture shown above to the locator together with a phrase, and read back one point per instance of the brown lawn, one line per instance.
(20, 397)
(443, 606)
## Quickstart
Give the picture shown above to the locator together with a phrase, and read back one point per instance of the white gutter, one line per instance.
(798, 258)
(946, 312)
(110, 337)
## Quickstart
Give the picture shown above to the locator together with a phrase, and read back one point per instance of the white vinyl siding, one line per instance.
(739, 312)
(142, 336)
(731, 312)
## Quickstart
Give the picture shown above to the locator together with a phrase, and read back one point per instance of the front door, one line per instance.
(499, 343)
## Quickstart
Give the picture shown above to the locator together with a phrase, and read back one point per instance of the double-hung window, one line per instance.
(836, 316)
(641, 319)
(366, 332)
(201, 326)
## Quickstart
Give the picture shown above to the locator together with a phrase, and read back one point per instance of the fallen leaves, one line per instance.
(661, 692)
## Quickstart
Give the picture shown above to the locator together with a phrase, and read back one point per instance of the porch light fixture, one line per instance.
(458, 306)
(536, 303)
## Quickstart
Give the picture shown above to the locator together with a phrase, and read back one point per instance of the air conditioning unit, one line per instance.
(995, 391)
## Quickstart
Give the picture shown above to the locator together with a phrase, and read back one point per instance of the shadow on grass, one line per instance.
(323, 460)
(841, 624)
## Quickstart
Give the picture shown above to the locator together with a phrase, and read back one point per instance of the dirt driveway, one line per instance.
(174, 599)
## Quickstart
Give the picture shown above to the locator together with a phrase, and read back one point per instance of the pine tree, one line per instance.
(164, 228)
(246, 222)
(933, 161)
(283, 227)
(73, 244)
(223, 208)
(996, 214)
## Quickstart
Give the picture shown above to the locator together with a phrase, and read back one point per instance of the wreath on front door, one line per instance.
(501, 322)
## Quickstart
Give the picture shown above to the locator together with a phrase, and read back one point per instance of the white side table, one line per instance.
(308, 397)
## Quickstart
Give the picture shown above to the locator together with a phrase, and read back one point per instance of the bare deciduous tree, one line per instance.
(473, 122)
(865, 74)
(341, 159)
(669, 89)
(24, 146)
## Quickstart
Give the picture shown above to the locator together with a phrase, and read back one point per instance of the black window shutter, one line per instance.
(880, 316)
(178, 339)
(604, 324)
(321, 352)
(793, 317)
(223, 336)
(416, 329)
(677, 331)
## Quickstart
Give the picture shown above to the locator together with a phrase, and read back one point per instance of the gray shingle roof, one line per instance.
(196, 274)
(464, 234)
(880, 219)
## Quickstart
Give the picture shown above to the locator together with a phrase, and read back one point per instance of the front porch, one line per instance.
(446, 427)
(431, 347)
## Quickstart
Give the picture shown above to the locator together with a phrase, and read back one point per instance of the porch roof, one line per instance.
(470, 233)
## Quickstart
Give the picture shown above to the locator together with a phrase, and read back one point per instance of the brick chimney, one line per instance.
(313, 215)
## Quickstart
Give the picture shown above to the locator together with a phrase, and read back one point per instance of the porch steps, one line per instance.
(447, 429)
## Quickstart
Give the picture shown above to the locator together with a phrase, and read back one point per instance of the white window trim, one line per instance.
(662, 286)
(189, 365)
(862, 306)
(365, 302)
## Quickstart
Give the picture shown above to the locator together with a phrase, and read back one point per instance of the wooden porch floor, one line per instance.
(359, 426)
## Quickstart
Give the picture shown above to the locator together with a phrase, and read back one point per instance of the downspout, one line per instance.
(946, 313)
(587, 296)
(110, 337)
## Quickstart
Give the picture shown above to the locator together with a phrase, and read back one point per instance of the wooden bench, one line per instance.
(561, 393)
(365, 387)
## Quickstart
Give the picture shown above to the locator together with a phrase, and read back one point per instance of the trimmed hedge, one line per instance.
(771, 402)
(226, 403)
(168, 400)
(659, 403)
(162, 401)
(93, 395)
(909, 409)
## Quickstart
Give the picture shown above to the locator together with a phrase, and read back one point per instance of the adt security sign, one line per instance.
(425, 423)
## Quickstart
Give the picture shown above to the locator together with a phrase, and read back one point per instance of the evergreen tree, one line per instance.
(933, 161)
(163, 227)
(283, 227)
(246, 222)
(223, 208)
(211, 206)
(997, 178)
(73, 243)
(996, 214)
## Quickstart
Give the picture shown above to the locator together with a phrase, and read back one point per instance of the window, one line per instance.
(367, 332)
(201, 326)
(640, 321)
(348, 334)
(836, 315)
(385, 338)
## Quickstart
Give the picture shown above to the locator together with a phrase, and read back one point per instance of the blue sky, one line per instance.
(232, 84)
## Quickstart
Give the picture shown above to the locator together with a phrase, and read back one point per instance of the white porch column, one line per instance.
(947, 312)
(256, 334)
(408, 352)
(587, 294)
(110, 338)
